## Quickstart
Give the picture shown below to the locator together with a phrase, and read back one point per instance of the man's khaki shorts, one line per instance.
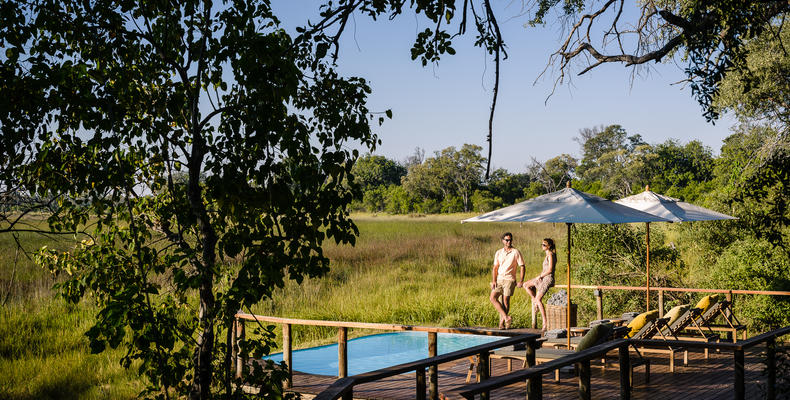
(505, 287)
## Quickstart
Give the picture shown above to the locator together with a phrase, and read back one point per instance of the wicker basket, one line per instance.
(555, 316)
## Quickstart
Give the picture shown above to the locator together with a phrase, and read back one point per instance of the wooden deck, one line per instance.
(701, 379)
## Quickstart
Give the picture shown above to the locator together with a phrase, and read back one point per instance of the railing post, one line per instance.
(584, 380)
(728, 314)
(770, 361)
(348, 395)
(599, 302)
(534, 384)
(420, 394)
(287, 342)
(240, 359)
(482, 371)
(342, 352)
(625, 371)
(234, 349)
(660, 304)
(433, 370)
(740, 389)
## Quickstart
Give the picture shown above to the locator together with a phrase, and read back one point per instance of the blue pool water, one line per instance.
(369, 353)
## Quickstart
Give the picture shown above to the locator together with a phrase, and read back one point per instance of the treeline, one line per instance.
(614, 164)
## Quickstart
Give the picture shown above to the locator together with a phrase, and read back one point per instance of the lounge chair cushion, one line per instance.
(675, 313)
(595, 335)
(707, 301)
(637, 323)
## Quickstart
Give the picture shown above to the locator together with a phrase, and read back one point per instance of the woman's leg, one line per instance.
(539, 300)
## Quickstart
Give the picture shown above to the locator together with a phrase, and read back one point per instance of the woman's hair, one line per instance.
(551, 247)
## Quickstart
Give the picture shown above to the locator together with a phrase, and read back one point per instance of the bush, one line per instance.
(753, 264)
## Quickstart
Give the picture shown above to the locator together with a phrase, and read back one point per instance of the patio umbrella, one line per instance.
(569, 206)
(671, 209)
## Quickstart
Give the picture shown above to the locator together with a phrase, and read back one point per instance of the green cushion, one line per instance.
(676, 312)
(637, 323)
(595, 335)
(706, 302)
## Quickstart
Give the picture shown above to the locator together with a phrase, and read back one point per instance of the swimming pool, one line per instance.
(369, 353)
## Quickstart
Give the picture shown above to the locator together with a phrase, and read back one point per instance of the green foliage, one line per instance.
(483, 201)
(614, 255)
(509, 187)
(550, 176)
(373, 171)
(179, 137)
(680, 171)
(449, 174)
(756, 265)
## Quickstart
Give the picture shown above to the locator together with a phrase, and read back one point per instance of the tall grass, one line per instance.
(43, 351)
(415, 271)
(404, 270)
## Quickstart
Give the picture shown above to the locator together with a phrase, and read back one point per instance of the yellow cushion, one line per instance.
(639, 322)
(707, 301)
(676, 312)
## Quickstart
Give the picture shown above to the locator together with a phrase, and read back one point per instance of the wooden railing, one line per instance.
(582, 360)
(737, 348)
(239, 333)
(534, 374)
(599, 290)
(343, 388)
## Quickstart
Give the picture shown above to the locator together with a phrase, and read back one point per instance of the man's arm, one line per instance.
(494, 270)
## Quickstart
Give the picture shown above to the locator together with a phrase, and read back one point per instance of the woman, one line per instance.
(538, 286)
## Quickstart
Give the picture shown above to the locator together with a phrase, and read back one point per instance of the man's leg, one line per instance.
(494, 298)
(506, 308)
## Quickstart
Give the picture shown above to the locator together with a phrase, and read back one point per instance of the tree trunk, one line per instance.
(207, 241)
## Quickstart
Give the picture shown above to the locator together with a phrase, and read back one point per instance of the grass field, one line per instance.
(406, 270)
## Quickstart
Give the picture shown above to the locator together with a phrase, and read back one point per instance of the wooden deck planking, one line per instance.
(701, 380)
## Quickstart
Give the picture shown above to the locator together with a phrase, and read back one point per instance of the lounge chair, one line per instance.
(592, 338)
(731, 324)
(684, 325)
(647, 326)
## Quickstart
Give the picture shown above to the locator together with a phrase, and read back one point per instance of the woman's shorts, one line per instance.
(543, 284)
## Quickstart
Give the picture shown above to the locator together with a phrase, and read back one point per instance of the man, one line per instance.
(503, 278)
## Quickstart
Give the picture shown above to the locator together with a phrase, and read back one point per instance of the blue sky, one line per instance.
(448, 104)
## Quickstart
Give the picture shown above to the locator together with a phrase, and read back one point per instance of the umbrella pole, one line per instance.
(568, 307)
(647, 263)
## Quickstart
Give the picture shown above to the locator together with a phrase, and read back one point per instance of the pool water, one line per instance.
(369, 353)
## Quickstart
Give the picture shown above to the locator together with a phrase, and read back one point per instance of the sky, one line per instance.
(448, 104)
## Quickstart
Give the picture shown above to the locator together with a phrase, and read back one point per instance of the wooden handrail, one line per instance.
(671, 289)
(344, 386)
(377, 326)
(594, 352)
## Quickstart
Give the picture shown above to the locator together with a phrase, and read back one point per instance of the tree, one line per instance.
(553, 174)
(509, 187)
(613, 159)
(371, 171)
(449, 173)
(112, 101)
(680, 170)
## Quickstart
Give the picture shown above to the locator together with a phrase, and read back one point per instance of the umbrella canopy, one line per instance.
(569, 206)
(670, 208)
